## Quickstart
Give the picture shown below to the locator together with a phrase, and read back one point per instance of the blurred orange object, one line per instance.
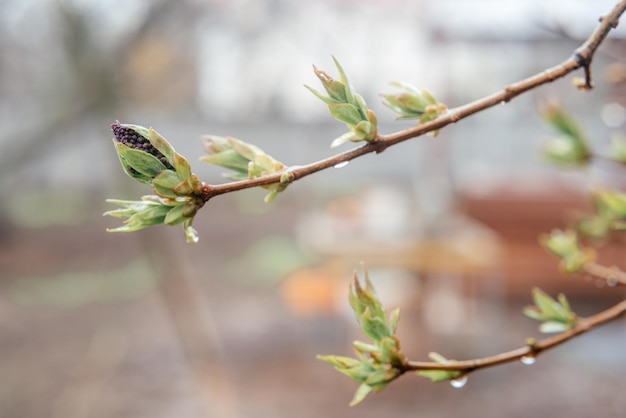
(314, 291)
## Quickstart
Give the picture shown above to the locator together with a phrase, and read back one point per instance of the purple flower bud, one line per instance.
(132, 139)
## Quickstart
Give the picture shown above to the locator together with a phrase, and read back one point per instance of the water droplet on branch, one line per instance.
(342, 164)
(459, 382)
(528, 360)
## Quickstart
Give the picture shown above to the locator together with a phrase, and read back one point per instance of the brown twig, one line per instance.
(613, 275)
(532, 349)
(582, 57)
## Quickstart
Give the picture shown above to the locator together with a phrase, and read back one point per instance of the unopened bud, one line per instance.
(130, 136)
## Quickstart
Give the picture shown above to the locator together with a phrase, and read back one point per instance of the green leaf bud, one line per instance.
(557, 315)
(412, 103)
(571, 147)
(155, 210)
(565, 245)
(246, 160)
(345, 105)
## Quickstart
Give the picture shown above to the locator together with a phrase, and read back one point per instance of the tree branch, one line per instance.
(582, 57)
(613, 275)
(531, 349)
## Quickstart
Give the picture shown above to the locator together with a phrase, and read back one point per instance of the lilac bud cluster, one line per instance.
(132, 139)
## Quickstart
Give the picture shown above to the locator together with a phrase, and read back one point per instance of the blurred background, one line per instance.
(144, 325)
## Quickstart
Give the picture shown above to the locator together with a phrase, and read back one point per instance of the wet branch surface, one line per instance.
(581, 58)
(532, 349)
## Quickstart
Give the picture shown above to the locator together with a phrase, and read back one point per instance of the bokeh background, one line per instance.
(144, 325)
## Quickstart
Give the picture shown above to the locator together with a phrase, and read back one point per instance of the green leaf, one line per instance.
(340, 362)
(564, 150)
(160, 144)
(348, 136)
(553, 326)
(141, 161)
(533, 312)
(556, 116)
(228, 159)
(348, 89)
(413, 103)
(429, 97)
(153, 215)
(380, 376)
(597, 226)
(184, 188)
(183, 169)
(247, 151)
(365, 348)
(325, 99)
(394, 317)
(374, 327)
(364, 130)
(153, 210)
(360, 394)
(545, 303)
(565, 245)
(269, 198)
(175, 215)
(166, 179)
(165, 182)
(346, 113)
(571, 147)
(127, 167)
(128, 227)
(191, 234)
(615, 202)
(556, 314)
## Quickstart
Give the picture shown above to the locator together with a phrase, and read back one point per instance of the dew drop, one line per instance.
(612, 281)
(342, 164)
(459, 382)
(528, 360)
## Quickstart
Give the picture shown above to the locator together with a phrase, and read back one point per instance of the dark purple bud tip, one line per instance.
(129, 137)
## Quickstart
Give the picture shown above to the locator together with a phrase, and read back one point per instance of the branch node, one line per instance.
(206, 192)
(613, 24)
(584, 60)
(509, 93)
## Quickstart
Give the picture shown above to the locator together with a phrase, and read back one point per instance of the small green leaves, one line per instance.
(345, 105)
(440, 375)
(570, 148)
(564, 244)
(610, 214)
(247, 161)
(556, 315)
(412, 103)
(376, 364)
(153, 210)
(613, 202)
